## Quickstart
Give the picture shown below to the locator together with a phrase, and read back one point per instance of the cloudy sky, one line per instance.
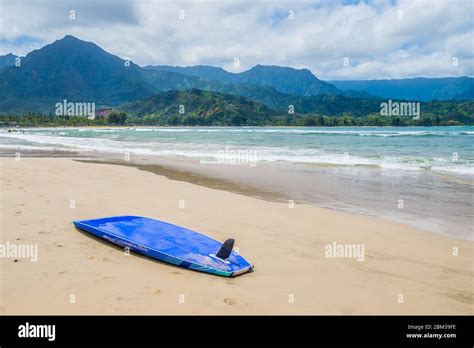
(335, 39)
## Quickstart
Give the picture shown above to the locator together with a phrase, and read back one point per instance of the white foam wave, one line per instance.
(399, 134)
(214, 151)
(461, 170)
(32, 147)
(368, 133)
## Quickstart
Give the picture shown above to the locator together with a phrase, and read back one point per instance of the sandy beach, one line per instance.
(78, 274)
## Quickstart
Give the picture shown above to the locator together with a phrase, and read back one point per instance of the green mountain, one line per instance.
(319, 104)
(204, 108)
(282, 79)
(70, 69)
(196, 107)
(80, 71)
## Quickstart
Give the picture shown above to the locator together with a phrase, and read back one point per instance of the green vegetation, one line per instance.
(198, 108)
(117, 118)
(204, 108)
(37, 120)
(371, 120)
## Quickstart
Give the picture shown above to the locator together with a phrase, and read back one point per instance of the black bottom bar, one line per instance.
(213, 330)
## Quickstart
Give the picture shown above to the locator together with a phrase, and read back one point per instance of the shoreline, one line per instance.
(238, 179)
(253, 182)
(287, 246)
(178, 174)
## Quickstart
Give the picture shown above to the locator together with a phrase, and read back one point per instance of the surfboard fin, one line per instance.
(226, 249)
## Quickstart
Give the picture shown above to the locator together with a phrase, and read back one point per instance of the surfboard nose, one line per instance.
(226, 249)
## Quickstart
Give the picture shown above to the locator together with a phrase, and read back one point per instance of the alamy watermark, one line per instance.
(19, 251)
(234, 157)
(28, 330)
(85, 109)
(354, 251)
(395, 108)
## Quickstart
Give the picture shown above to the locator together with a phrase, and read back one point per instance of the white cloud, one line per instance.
(377, 42)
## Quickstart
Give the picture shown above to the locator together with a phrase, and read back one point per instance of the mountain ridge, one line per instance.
(7, 60)
(77, 70)
(283, 79)
(70, 68)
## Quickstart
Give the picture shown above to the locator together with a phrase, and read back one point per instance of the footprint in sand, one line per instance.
(230, 301)
(91, 258)
(175, 272)
(62, 272)
(43, 232)
(105, 259)
(158, 291)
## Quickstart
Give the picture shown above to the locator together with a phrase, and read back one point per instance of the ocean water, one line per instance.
(366, 170)
(448, 150)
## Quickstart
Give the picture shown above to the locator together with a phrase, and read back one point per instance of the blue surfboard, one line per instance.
(170, 243)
